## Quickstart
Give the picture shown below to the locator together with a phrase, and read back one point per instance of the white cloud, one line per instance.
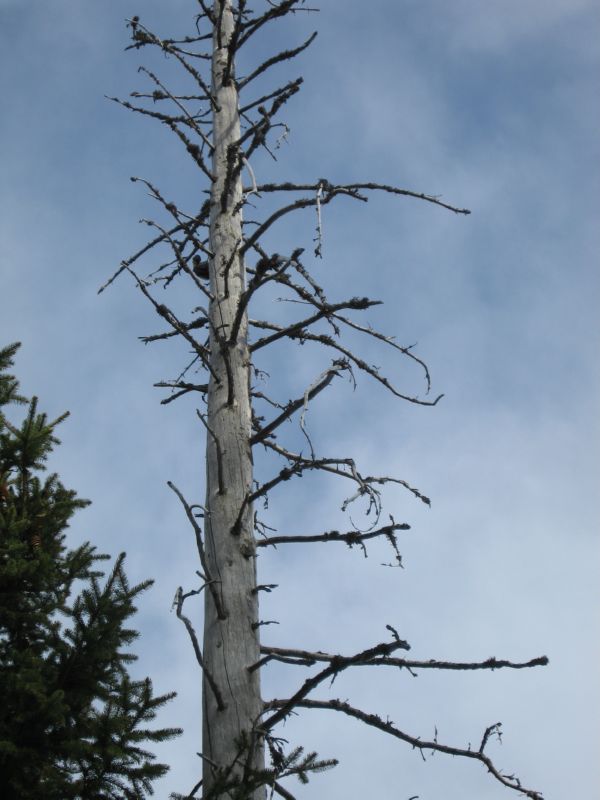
(502, 303)
(500, 25)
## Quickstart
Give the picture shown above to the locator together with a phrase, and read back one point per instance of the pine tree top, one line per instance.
(73, 722)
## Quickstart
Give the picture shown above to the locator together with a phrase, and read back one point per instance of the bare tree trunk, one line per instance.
(231, 642)
(236, 722)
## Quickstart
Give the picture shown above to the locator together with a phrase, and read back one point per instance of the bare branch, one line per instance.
(132, 259)
(304, 335)
(350, 537)
(167, 314)
(201, 322)
(199, 219)
(220, 483)
(221, 613)
(308, 658)
(294, 405)
(193, 149)
(143, 36)
(318, 291)
(344, 467)
(232, 46)
(489, 731)
(276, 10)
(419, 744)
(178, 251)
(184, 388)
(319, 237)
(191, 121)
(352, 189)
(284, 55)
(270, 271)
(194, 639)
(261, 100)
(257, 132)
(370, 479)
(389, 340)
(336, 665)
(296, 329)
(207, 12)
(305, 202)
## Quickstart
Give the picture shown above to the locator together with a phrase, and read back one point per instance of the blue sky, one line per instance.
(492, 105)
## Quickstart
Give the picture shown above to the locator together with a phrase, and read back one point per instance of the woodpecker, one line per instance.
(267, 262)
(200, 268)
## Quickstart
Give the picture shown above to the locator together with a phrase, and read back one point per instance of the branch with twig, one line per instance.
(180, 597)
(343, 467)
(308, 658)
(283, 55)
(353, 190)
(296, 329)
(351, 538)
(302, 402)
(335, 665)
(182, 386)
(375, 721)
(271, 270)
(302, 335)
(201, 351)
(210, 582)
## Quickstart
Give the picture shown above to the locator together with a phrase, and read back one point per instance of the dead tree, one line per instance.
(226, 262)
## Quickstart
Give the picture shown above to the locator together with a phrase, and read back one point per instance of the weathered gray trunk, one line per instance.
(231, 642)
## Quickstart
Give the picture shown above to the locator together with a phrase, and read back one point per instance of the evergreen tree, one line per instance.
(73, 722)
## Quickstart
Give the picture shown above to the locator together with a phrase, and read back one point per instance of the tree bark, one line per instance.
(231, 641)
